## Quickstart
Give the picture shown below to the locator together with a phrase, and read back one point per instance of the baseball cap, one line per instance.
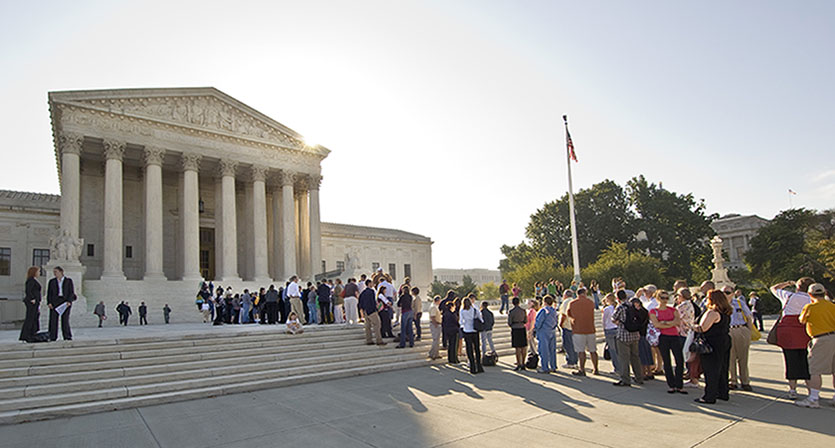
(816, 289)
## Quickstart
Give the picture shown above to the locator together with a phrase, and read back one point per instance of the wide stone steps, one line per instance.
(117, 374)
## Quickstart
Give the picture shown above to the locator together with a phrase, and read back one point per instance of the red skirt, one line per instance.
(791, 334)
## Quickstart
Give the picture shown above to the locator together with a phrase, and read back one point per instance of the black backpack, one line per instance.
(533, 360)
(489, 359)
(633, 320)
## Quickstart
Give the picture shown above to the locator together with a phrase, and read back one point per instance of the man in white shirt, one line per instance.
(294, 294)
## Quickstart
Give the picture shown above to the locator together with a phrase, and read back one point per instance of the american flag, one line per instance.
(570, 145)
(792, 192)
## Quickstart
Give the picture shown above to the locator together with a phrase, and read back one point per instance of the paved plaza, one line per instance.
(445, 406)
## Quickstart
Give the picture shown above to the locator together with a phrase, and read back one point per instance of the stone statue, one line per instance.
(352, 262)
(720, 273)
(65, 247)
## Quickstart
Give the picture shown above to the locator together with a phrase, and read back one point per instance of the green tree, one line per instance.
(794, 244)
(516, 256)
(617, 261)
(676, 226)
(442, 288)
(602, 216)
(536, 270)
(488, 291)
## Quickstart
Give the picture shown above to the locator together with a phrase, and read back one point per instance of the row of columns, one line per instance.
(284, 203)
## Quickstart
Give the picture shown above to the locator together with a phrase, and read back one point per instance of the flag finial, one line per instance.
(565, 118)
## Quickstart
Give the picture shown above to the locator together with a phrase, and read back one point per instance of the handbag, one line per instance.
(772, 334)
(478, 325)
(687, 341)
(755, 333)
(606, 354)
(700, 346)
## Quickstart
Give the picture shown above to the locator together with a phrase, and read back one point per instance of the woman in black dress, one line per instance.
(32, 299)
(715, 325)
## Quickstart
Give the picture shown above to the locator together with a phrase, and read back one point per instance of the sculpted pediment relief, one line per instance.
(197, 111)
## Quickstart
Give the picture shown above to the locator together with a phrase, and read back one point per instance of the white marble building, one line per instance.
(736, 232)
(479, 276)
(164, 187)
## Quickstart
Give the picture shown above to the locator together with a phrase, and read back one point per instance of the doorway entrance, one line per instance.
(207, 253)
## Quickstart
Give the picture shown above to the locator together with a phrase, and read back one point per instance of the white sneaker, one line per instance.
(808, 403)
(691, 385)
(792, 394)
(569, 366)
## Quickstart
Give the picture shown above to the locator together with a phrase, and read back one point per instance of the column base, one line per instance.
(228, 279)
(197, 278)
(155, 276)
(113, 276)
(262, 280)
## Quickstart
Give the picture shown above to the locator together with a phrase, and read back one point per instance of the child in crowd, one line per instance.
(293, 324)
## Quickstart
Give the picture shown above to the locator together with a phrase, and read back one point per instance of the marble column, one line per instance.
(70, 145)
(278, 252)
(288, 224)
(259, 224)
(153, 213)
(114, 151)
(230, 224)
(191, 217)
(304, 239)
(315, 226)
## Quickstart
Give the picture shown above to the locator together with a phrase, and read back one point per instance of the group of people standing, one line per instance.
(60, 295)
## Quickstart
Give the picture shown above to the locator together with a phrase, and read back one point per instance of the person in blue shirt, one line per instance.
(545, 328)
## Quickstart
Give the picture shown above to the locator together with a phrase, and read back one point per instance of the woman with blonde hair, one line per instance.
(32, 300)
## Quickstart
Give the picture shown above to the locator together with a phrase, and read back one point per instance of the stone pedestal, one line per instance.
(720, 272)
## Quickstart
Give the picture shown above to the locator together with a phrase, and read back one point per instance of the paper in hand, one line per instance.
(61, 308)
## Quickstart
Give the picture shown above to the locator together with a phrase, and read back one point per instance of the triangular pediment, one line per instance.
(206, 109)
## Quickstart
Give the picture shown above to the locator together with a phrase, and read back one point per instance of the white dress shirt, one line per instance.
(293, 290)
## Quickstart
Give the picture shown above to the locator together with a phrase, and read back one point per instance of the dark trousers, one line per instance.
(143, 319)
(452, 345)
(758, 319)
(167, 317)
(30, 324)
(715, 368)
(675, 379)
(505, 304)
(306, 312)
(325, 312)
(473, 352)
(271, 311)
(283, 306)
(385, 322)
(417, 325)
(65, 325)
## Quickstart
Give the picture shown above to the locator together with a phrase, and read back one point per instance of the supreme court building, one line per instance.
(162, 188)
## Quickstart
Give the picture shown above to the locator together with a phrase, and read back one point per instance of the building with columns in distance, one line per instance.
(736, 232)
(162, 188)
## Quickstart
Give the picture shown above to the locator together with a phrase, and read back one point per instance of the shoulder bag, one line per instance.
(699, 345)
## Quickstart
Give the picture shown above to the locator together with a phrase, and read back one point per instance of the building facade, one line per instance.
(736, 232)
(479, 276)
(162, 188)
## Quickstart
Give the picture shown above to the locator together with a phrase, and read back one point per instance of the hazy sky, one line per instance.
(448, 112)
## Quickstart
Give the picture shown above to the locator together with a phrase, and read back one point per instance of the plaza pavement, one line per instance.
(445, 406)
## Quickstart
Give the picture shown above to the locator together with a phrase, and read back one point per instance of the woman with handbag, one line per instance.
(713, 337)
(790, 333)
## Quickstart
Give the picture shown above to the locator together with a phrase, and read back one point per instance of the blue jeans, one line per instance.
(547, 349)
(505, 304)
(407, 329)
(611, 342)
(568, 346)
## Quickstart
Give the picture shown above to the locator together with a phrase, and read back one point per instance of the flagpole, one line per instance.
(574, 251)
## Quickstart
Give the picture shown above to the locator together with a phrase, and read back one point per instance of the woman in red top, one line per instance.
(791, 334)
(667, 320)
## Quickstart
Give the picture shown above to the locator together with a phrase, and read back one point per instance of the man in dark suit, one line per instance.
(324, 295)
(59, 291)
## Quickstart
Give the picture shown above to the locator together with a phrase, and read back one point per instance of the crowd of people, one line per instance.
(683, 334)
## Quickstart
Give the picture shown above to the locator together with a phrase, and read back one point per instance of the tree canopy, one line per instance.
(644, 218)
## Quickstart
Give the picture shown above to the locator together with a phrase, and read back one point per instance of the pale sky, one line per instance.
(449, 111)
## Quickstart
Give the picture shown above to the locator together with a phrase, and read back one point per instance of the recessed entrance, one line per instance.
(207, 253)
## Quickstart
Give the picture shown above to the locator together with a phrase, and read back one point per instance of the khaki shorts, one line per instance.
(584, 342)
(822, 355)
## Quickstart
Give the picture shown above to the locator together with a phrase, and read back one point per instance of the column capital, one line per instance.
(114, 149)
(286, 178)
(227, 167)
(313, 182)
(258, 173)
(191, 161)
(153, 155)
(70, 143)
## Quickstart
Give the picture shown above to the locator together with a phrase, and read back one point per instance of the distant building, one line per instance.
(479, 276)
(736, 232)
